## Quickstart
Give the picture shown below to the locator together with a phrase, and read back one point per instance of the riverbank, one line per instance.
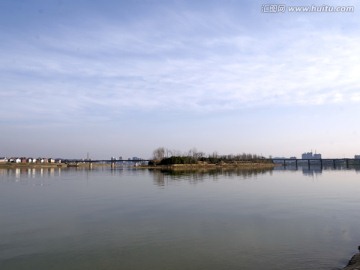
(50, 165)
(9, 165)
(354, 263)
(239, 165)
(32, 165)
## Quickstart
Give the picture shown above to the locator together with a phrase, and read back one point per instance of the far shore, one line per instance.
(240, 165)
(32, 165)
(247, 165)
(48, 165)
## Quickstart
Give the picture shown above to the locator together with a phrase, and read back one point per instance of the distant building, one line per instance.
(310, 155)
(357, 157)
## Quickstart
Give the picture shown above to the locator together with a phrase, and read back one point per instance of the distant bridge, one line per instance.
(104, 161)
(321, 161)
(334, 162)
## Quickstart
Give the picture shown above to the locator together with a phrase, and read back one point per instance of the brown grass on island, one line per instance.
(193, 159)
(202, 165)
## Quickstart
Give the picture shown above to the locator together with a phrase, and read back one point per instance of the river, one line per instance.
(306, 219)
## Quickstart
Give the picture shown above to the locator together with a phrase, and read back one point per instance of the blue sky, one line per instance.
(121, 78)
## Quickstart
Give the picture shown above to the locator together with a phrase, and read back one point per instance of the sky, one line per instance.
(121, 78)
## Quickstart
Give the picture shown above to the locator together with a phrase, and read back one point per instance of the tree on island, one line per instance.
(159, 154)
(163, 156)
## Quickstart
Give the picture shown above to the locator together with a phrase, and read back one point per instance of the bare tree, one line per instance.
(169, 153)
(159, 153)
(194, 153)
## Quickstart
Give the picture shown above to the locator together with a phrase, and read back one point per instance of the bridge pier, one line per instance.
(90, 165)
(112, 165)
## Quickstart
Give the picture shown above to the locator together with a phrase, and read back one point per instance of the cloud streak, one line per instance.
(139, 74)
(142, 66)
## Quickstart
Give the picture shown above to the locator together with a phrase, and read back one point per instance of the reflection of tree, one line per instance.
(159, 178)
(199, 175)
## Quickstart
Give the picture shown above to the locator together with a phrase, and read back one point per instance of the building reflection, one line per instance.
(18, 174)
(312, 171)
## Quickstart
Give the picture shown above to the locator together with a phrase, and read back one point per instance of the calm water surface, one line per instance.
(140, 219)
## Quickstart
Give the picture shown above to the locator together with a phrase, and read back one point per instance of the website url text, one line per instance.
(281, 8)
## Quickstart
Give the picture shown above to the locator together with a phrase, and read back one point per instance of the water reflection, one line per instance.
(316, 169)
(30, 172)
(35, 176)
(313, 172)
(163, 176)
(121, 219)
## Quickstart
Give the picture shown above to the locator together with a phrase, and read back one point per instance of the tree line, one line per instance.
(163, 156)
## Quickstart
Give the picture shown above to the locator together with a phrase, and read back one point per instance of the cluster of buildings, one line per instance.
(28, 160)
(310, 155)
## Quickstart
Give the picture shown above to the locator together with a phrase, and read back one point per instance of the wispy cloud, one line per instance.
(164, 64)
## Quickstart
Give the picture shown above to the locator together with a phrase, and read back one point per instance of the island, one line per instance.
(165, 159)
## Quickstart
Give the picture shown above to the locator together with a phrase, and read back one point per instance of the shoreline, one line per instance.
(249, 165)
(245, 166)
(29, 165)
(48, 165)
(354, 263)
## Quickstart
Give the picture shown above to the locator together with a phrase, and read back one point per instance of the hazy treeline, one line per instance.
(165, 156)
